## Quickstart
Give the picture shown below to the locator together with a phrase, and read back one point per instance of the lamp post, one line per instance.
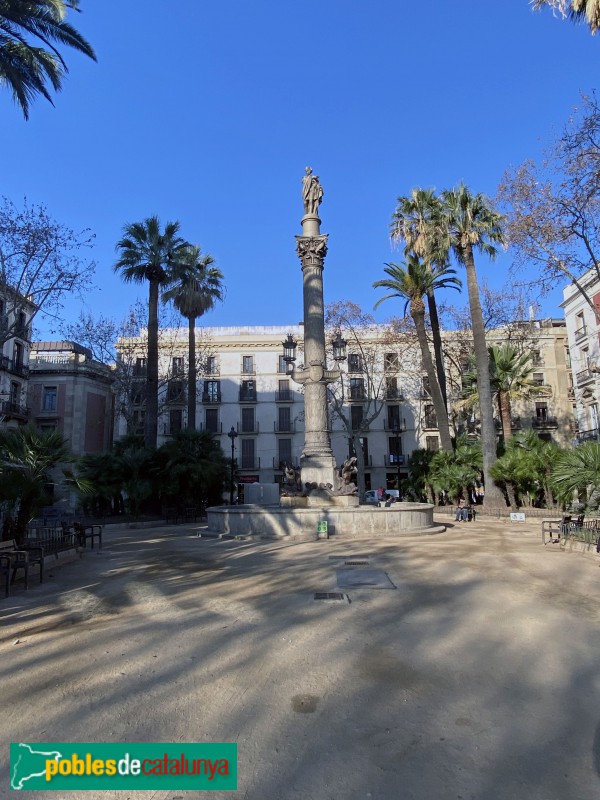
(233, 436)
(397, 430)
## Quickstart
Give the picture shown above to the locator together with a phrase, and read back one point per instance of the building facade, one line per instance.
(15, 334)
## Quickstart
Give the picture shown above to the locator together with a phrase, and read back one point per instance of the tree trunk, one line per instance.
(191, 419)
(360, 463)
(510, 491)
(436, 394)
(505, 413)
(151, 419)
(493, 495)
(437, 345)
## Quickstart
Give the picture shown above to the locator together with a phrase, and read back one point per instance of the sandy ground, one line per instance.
(476, 677)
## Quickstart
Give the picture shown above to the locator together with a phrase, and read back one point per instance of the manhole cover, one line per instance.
(332, 597)
(356, 563)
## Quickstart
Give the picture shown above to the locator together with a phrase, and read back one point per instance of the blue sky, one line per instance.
(207, 113)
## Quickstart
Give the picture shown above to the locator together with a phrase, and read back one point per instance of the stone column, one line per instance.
(317, 462)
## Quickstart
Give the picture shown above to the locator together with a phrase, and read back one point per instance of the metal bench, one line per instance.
(14, 557)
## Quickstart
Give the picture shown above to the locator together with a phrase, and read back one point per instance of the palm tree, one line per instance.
(577, 10)
(27, 458)
(416, 221)
(199, 286)
(148, 253)
(576, 472)
(472, 224)
(411, 284)
(510, 378)
(25, 67)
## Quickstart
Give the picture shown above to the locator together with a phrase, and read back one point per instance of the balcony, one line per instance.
(587, 436)
(394, 394)
(284, 396)
(429, 423)
(139, 371)
(11, 410)
(248, 427)
(211, 397)
(580, 333)
(249, 462)
(16, 366)
(211, 428)
(544, 422)
(285, 427)
(247, 396)
(394, 426)
(357, 393)
(543, 390)
(393, 460)
(584, 376)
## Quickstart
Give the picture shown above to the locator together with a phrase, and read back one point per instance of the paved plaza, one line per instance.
(466, 665)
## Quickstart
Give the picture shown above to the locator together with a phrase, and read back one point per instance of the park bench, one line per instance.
(560, 531)
(14, 557)
(471, 512)
(179, 514)
(85, 533)
(52, 540)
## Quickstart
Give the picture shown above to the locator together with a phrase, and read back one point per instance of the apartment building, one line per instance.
(15, 335)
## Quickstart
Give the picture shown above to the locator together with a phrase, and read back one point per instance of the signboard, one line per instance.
(248, 478)
(517, 516)
(395, 459)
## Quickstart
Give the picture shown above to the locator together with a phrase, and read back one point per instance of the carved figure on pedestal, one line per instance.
(293, 482)
(312, 192)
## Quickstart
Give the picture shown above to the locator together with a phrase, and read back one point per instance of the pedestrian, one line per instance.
(462, 513)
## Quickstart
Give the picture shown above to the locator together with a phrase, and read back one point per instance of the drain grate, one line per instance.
(333, 597)
(356, 563)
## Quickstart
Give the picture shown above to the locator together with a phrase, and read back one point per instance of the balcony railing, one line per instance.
(584, 376)
(394, 394)
(248, 427)
(357, 393)
(8, 408)
(284, 396)
(580, 332)
(249, 462)
(393, 426)
(17, 367)
(216, 429)
(429, 422)
(211, 397)
(285, 427)
(248, 395)
(589, 435)
(393, 460)
(544, 422)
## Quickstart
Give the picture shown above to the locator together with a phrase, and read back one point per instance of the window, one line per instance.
(247, 453)
(49, 398)
(429, 419)
(247, 420)
(536, 358)
(357, 389)
(178, 368)
(212, 366)
(284, 392)
(425, 386)
(391, 388)
(15, 393)
(580, 325)
(175, 392)
(285, 451)
(282, 366)
(137, 394)
(395, 449)
(393, 417)
(139, 368)
(541, 411)
(212, 392)
(356, 416)
(248, 365)
(538, 378)
(137, 421)
(18, 356)
(21, 327)
(364, 450)
(432, 443)
(248, 390)
(175, 420)
(212, 420)
(354, 363)
(390, 362)
(284, 421)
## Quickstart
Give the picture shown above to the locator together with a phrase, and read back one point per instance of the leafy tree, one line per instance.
(511, 378)
(102, 473)
(587, 11)
(411, 283)
(198, 287)
(418, 487)
(135, 471)
(25, 67)
(576, 474)
(149, 253)
(192, 468)
(28, 460)
(472, 224)
(416, 221)
(41, 264)
(553, 208)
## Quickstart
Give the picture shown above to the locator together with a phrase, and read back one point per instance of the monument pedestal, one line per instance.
(317, 468)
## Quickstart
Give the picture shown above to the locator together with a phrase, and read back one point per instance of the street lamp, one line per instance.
(233, 436)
